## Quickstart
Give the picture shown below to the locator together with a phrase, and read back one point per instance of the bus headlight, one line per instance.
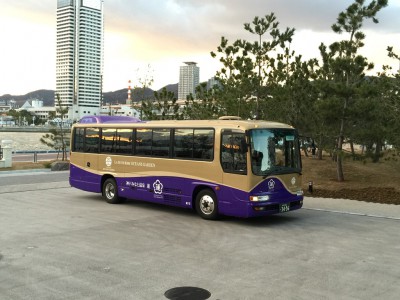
(259, 198)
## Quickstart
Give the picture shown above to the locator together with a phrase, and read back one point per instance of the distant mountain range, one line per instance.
(119, 96)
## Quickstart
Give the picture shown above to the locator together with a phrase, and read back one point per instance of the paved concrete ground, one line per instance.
(57, 242)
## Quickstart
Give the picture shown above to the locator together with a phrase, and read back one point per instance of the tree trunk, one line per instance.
(377, 153)
(304, 148)
(320, 148)
(339, 158)
(353, 153)
(339, 166)
(63, 146)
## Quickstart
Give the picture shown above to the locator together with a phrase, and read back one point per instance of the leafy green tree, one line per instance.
(390, 90)
(204, 107)
(57, 138)
(245, 75)
(148, 110)
(294, 92)
(372, 117)
(15, 114)
(166, 105)
(343, 70)
(24, 116)
(234, 94)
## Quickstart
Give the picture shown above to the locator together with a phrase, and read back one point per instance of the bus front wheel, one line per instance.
(207, 204)
(110, 191)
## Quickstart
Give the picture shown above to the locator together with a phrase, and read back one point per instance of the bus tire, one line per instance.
(110, 191)
(207, 204)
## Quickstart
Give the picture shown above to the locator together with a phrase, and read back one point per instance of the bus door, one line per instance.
(233, 158)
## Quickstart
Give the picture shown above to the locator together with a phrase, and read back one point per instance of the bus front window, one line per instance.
(274, 151)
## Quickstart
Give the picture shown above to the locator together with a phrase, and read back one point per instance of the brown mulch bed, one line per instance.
(369, 194)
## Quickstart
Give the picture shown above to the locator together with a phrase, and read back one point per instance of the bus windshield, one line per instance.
(274, 151)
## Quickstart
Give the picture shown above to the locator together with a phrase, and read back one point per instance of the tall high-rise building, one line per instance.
(79, 66)
(189, 77)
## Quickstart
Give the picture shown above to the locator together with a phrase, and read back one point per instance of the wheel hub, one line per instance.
(207, 205)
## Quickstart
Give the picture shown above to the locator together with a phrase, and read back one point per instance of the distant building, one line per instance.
(43, 112)
(189, 77)
(25, 106)
(212, 82)
(79, 66)
(34, 103)
(119, 110)
(35, 107)
(37, 103)
(8, 104)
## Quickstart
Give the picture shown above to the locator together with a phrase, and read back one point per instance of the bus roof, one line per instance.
(108, 119)
(123, 121)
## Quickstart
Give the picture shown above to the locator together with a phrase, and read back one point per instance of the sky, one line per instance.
(153, 38)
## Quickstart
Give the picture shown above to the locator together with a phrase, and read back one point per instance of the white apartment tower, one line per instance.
(79, 66)
(188, 80)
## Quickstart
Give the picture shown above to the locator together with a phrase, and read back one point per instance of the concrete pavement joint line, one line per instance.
(352, 213)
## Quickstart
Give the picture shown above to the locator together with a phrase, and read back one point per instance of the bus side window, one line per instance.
(79, 138)
(92, 140)
(203, 144)
(160, 142)
(124, 139)
(183, 143)
(233, 153)
(239, 153)
(108, 140)
(143, 141)
(226, 154)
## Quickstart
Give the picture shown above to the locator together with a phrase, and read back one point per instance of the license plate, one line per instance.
(284, 207)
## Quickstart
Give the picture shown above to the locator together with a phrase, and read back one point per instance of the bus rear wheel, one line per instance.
(207, 204)
(110, 191)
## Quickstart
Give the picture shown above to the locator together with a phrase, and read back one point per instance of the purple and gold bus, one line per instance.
(219, 167)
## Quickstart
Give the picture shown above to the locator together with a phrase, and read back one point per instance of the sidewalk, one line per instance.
(353, 207)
